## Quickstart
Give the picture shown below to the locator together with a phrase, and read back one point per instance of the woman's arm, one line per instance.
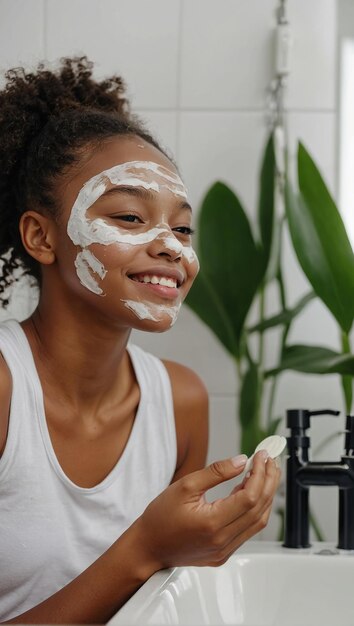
(96, 594)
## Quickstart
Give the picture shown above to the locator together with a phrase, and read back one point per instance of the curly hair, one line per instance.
(47, 118)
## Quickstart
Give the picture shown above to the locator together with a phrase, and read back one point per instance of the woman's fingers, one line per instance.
(253, 510)
(200, 481)
(253, 491)
(245, 526)
(263, 504)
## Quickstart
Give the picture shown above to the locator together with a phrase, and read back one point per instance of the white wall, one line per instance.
(197, 71)
(345, 112)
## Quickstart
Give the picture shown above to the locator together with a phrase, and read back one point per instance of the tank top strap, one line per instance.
(155, 384)
(23, 431)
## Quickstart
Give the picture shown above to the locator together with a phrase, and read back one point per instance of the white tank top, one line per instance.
(51, 529)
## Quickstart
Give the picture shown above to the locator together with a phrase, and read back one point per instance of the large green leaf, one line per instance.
(266, 198)
(204, 301)
(320, 241)
(230, 260)
(285, 317)
(314, 360)
(249, 396)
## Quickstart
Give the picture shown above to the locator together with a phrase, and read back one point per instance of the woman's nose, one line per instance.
(167, 245)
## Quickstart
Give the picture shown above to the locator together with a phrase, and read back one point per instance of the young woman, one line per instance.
(102, 445)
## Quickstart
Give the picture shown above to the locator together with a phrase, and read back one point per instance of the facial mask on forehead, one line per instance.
(84, 231)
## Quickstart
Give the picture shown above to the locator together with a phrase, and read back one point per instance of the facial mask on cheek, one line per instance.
(84, 262)
(191, 255)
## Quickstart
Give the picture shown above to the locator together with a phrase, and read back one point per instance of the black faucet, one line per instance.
(302, 474)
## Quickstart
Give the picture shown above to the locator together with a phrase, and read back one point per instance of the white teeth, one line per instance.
(158, 280)
(167, 282)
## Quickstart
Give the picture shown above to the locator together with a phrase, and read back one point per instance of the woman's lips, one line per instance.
(170, 293)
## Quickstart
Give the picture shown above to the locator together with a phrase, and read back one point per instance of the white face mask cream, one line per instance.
(154, 312)
(84, 231)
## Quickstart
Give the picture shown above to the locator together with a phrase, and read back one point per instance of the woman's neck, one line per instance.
(86, 361)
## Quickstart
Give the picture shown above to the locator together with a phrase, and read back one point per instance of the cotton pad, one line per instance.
(274, 445)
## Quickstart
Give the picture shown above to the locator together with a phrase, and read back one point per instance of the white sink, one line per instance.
(262, 584)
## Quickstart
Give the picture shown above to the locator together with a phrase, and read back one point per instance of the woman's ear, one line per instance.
(37, 234)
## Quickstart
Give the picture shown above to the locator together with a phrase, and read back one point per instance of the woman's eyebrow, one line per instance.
(140, 192)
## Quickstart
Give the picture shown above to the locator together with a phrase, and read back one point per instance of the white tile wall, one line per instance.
(23, 301)
(198, 72)
(136, 39)
(226, 53)
(224, 146)
(21, 32)
(163, 126)
(311, 84)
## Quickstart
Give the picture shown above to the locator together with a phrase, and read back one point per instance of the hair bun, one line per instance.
(30, 99)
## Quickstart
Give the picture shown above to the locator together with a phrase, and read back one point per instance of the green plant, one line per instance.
(238, 267)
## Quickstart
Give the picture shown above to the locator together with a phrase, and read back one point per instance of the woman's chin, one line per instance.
(153, 317)
(158, 326)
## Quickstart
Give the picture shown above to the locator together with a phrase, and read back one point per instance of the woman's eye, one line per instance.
(184, 230)
(127, 218)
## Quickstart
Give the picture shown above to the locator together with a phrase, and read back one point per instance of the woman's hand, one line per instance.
(180, 527)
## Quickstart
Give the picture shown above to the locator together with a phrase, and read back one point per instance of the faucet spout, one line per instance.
(326, 474)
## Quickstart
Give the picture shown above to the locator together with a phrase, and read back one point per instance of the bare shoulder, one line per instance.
(186, 384)
(5, 398)
(191, 403)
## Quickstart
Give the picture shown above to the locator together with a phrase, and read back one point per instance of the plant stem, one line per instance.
(261, 319)
(284, 336)
(238, 368)
(281, 286)
(347, 381)
(273, 389)
(260, 357)
(345, 342)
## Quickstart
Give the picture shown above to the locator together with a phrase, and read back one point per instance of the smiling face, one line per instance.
(130, 225)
